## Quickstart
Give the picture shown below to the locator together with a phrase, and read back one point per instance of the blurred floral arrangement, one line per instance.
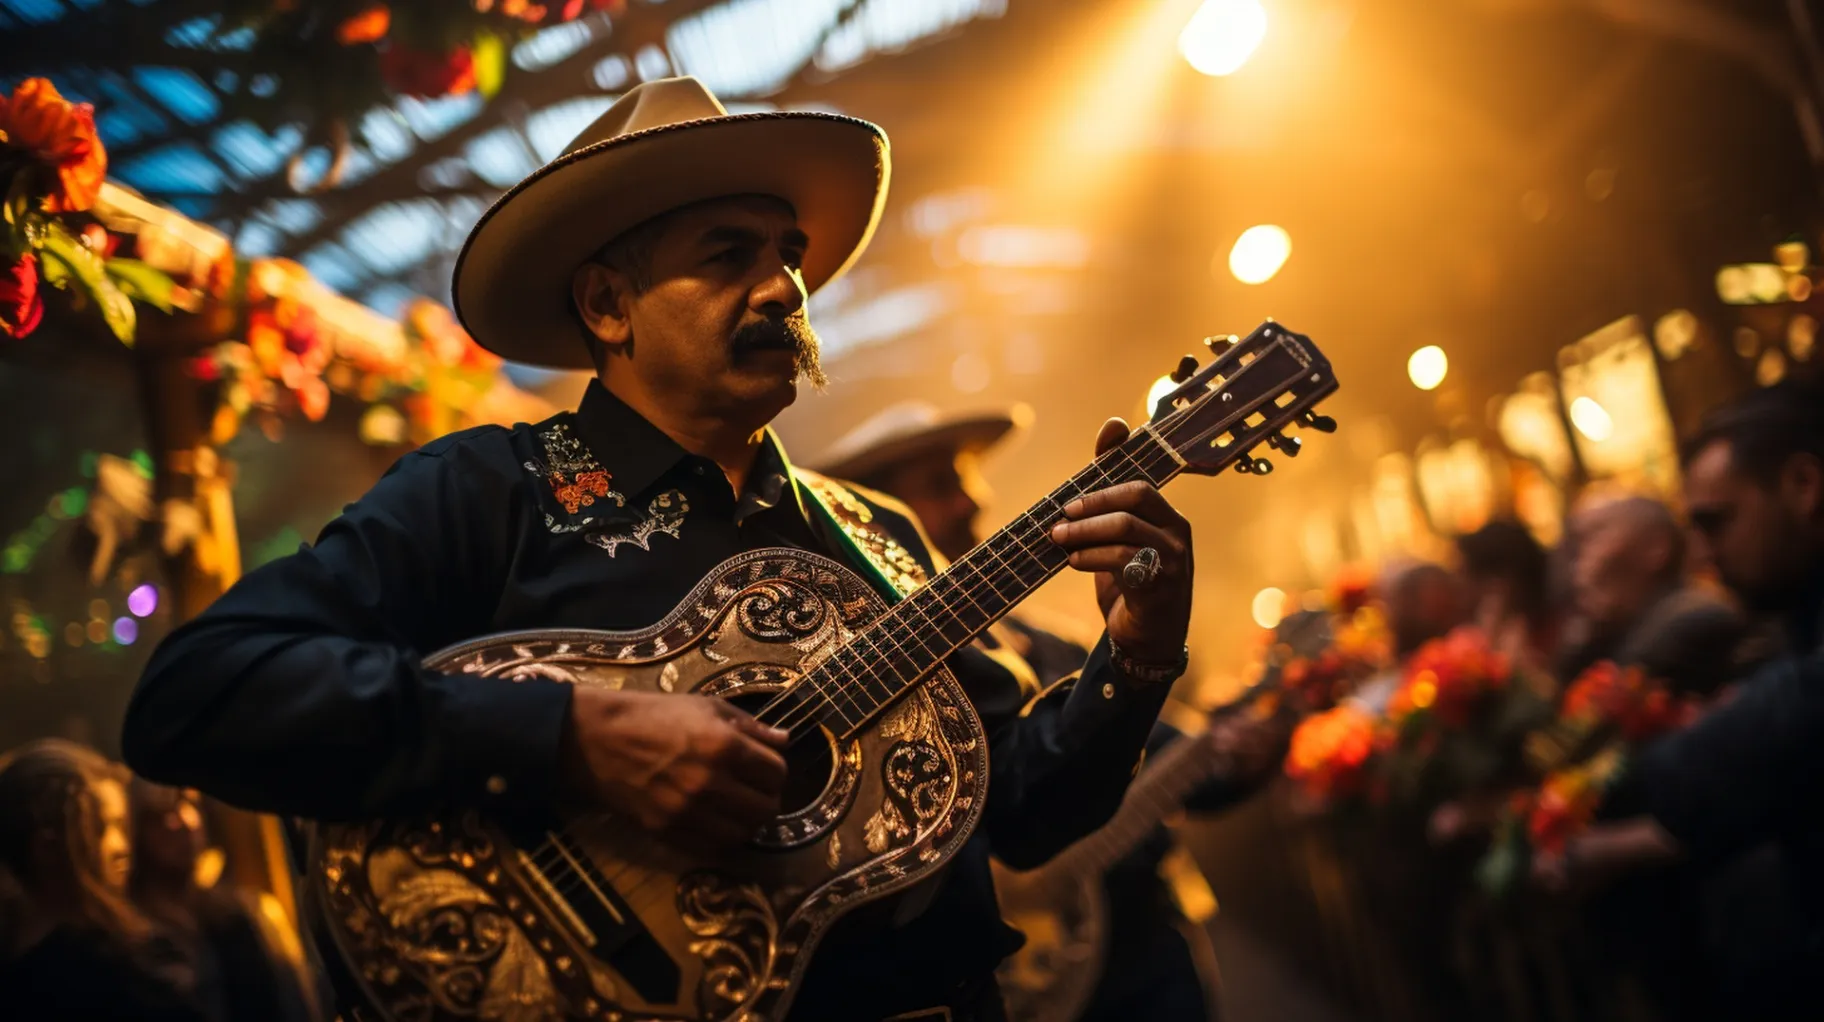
(1455, 722)
(1606, 713)
(272, 340)
(326, 62)
(52, 167)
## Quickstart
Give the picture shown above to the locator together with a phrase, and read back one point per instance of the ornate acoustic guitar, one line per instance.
(477, 917)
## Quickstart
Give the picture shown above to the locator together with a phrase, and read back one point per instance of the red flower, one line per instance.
(21, 307)
(60, 135)
(416, 73)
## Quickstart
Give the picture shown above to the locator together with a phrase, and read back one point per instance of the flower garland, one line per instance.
(327, 62)
(52, 166)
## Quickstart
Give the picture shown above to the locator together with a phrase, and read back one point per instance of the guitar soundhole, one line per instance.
(810, 763)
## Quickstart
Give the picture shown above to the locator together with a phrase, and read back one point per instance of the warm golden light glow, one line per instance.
(1259, 253)
(1427, 367)
(1269, 607)
(1591, 419)
(1162, 386)
(1222, 35)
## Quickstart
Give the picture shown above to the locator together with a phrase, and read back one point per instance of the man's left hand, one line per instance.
(1103, 531)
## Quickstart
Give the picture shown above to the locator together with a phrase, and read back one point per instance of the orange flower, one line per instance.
(59, 134)
(1329, 751)
(367, 27)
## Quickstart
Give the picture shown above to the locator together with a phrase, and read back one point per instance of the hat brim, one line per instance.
(974, 433)
(512, 281)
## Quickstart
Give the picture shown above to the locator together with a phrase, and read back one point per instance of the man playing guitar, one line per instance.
(670, 249)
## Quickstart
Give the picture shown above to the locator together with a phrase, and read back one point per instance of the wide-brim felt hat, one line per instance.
(663, 145)
(910, 429)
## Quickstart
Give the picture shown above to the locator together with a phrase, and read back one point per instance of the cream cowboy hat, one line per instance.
(909, 429)
(663, 145)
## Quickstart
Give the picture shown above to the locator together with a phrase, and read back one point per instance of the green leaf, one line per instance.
(68, 261)
(142, 283)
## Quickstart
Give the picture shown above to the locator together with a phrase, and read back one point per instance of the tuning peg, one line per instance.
(1321, 423)
(1254, 466)
(1187, 368)
(1220, 345)
(1286, 445)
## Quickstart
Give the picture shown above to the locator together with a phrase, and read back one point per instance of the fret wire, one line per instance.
(1016, 537)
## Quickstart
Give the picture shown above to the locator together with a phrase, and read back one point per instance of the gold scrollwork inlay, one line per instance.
(737, 936)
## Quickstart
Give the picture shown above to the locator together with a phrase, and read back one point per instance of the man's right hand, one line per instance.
(693, 768)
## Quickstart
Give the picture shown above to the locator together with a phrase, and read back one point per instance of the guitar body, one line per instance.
(470, 916)
(1064, 915)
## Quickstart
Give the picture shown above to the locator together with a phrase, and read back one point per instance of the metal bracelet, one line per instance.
(1147, 673)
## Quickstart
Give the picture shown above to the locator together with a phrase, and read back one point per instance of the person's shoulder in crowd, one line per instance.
(1691, 638)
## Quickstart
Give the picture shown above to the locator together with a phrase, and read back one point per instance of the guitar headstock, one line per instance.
(1257, 386)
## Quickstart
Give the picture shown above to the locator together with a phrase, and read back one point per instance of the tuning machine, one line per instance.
(1219, 346)
(1286, 445)
(1311, 420)
(1254, 466)
(1187, 368)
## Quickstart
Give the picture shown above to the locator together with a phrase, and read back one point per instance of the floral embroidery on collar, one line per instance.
(665, 514)
(577, 480)
(575, 477)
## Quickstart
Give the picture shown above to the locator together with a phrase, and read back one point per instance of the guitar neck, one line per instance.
(1159, 791)
(878, 666)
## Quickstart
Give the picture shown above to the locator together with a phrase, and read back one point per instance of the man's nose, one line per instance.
(779, 294)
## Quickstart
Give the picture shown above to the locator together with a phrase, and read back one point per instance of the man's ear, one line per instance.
(1802, 486)
(601, 294)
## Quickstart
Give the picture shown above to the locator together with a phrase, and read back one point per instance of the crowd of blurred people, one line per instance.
(1694, 889)
(111, 908)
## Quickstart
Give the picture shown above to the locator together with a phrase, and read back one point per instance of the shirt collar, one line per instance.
(638, 454)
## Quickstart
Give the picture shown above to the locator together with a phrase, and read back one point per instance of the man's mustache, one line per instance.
(792, 333)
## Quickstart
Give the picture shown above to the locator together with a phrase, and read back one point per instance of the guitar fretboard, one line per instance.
(876, 667)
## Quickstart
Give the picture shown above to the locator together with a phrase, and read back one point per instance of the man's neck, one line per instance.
(732, 445)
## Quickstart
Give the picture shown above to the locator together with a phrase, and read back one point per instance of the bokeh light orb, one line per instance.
(1259, 253)
(1222, 35)
(1427, 367)
(1592, 419)
(1269, 607)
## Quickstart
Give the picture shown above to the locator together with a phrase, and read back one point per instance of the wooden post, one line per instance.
(178, 419)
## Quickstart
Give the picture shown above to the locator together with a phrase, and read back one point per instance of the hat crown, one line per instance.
(653, 104)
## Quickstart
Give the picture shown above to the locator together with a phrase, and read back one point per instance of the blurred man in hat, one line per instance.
(669, 250)
(1160, 965)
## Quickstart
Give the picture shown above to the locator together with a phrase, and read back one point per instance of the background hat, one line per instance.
(912, 428)
(665, 144)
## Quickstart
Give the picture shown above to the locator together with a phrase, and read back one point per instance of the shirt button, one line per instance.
(497, 785)
(1108, 690)
(698, 469)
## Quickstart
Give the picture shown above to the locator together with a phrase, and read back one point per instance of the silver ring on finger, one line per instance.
(1140, 572)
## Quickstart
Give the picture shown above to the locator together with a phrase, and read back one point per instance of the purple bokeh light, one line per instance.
(143, 600)
(125, 630)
